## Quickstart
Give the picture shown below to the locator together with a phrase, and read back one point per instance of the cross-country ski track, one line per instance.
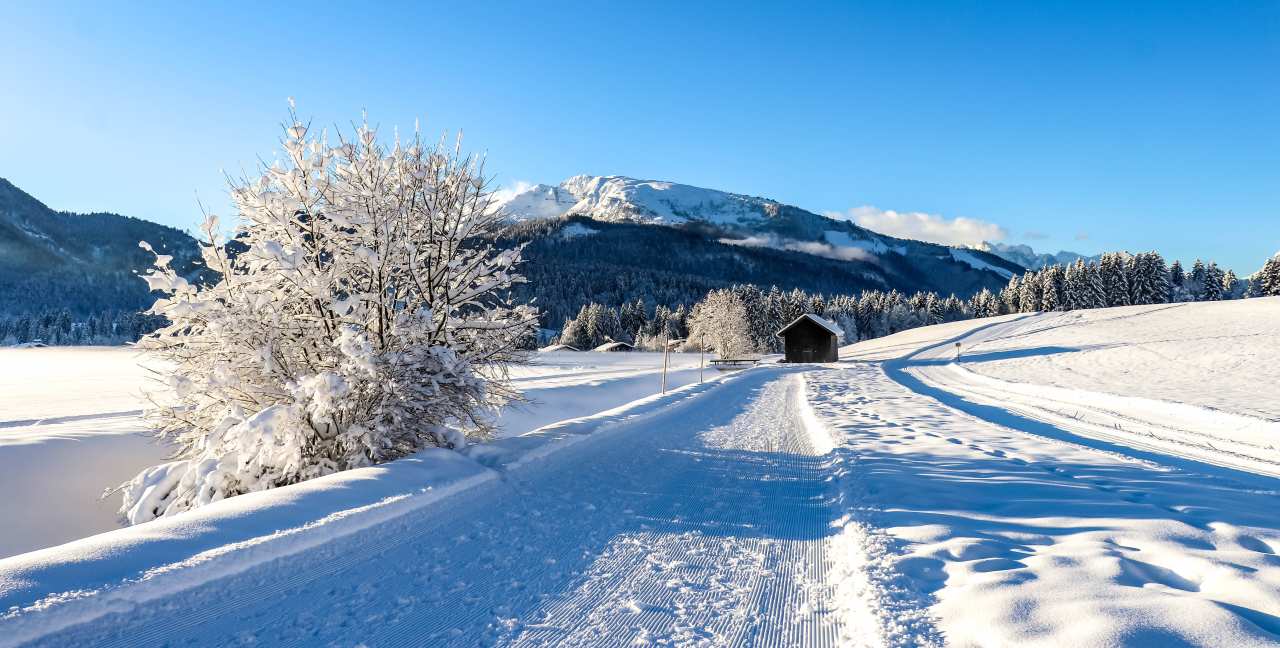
(888, 500)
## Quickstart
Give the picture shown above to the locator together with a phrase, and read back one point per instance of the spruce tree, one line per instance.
(1195, 282)
(1213, 278)
(1114, 278)
(1030, 294)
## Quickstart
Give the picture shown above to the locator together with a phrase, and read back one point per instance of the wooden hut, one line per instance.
(614, 347)
(810, 338)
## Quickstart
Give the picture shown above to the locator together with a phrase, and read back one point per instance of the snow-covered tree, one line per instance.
(1195, 281)
(631, 318)
(1232, 287)
(1266, 282)
(1213, 280)
(721, 320)
(1114, 279)
(1052, 280)
(1075, 286)
(1176, 276)
(1030, 293)
(1095, 296)
(364, 319)
(984, 304)
(1011, 295)
(1148, 279)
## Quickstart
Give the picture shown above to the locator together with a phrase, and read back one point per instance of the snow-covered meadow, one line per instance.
(70, 425)
(1105, 477)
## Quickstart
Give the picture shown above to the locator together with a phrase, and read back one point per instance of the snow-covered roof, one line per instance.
(820, 321)
(613, 346)
(556, 347)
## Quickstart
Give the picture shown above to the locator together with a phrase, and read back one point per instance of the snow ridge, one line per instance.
(623, 199)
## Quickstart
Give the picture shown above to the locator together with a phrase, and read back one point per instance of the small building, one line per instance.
(810, 338)
(614, 347)
(556, 347)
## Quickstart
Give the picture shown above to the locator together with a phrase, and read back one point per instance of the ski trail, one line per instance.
(717, 585)
(708, 525)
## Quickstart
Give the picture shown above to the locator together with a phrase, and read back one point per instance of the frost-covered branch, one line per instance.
(363, 319)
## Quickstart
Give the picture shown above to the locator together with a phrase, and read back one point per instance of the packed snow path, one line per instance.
(708, 525)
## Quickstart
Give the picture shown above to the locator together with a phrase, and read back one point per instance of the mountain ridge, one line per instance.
(739, 218)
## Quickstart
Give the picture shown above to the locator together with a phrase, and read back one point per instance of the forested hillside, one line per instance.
(574, 261)
(73, 277)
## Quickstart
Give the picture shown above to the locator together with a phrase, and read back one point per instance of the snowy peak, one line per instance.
(1027, 257)
(538, 201)
(623, 199)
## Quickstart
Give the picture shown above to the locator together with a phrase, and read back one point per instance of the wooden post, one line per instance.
(702, 354)
(666, 349)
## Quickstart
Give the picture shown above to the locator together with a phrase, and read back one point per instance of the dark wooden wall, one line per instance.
(807, 341)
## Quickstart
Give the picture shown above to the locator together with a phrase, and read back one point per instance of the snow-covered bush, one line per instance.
(360, 316)
(721, 320)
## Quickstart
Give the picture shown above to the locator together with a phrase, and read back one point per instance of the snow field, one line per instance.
(70, 426)
(1030, 541)
(694, 520)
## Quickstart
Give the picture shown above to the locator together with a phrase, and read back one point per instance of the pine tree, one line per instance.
(1011, 295)
(1074, 294)
(1230, 285)
(1213, 279)
(1176, 278)
(933, 310)
(1196, 281)
(1052, 279)
(1030, 295)
(1148, 279)
(1114, 279)
(1267, 281)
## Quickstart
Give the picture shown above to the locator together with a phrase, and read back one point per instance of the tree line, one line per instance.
(743, 319)
(59, 327)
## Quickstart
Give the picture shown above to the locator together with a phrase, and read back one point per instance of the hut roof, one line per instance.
(556, 347)
(614, 346)
(820, 321)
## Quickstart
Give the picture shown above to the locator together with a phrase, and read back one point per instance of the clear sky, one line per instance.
(1088, 126)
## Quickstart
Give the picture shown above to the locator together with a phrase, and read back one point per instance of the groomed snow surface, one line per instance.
(1105, 478)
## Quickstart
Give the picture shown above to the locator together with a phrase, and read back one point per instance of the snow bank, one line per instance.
(71, 428)
(53, 588)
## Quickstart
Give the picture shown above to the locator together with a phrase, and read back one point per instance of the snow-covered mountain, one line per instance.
(1027, 257)
(742, 220)
(623, 199)
(82, 262)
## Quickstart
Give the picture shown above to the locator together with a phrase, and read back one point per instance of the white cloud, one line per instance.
(506, 193)
(920, 226)
(816, 248)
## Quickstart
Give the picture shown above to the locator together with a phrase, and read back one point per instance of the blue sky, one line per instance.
(1077, 125)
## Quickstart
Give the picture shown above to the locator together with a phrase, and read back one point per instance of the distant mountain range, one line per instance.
(86, 263)
(590, 238)
(1024, 256)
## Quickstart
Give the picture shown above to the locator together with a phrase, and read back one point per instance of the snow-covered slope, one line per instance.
(1027, 257)
(1105, 477)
